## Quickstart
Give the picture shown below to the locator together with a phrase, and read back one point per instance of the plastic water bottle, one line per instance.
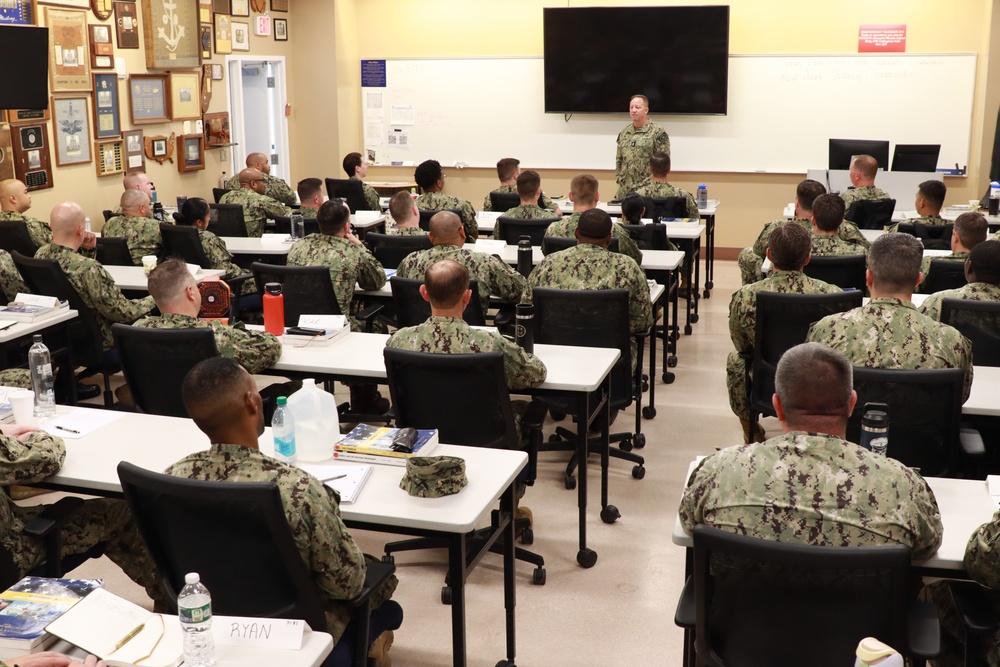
(994, 198)
(86, 224)
(875, 428)
(702, 196)
(298, 226)
(152, 195)
(315, 414)
(194, 608)
(42, 381)
(274, 309)
(224, 181)
(283, 429)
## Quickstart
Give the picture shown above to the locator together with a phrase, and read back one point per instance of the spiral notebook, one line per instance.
(348, 478)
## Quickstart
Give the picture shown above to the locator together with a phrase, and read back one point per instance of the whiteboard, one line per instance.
(782, 111)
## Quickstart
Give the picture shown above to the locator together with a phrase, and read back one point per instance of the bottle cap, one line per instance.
(701, 185)
(875, 419)
(37, 338)
(282, 400)
(272, 288)
(191, 578)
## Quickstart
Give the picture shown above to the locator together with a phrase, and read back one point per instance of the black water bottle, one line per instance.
(875, 428)
(524, 256)
(524, 326)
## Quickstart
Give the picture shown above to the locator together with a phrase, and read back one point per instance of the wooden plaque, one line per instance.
(6, 154)
(109, 156)
(126, 25)
(32, 164)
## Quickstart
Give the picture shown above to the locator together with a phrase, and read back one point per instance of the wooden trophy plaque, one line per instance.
(32, 163)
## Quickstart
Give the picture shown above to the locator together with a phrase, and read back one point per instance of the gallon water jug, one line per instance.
(317, 424)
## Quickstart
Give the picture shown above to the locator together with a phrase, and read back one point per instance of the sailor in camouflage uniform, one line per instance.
(970, 230)
(136, 180)
(659, 187)
(862, 174)
(196, 213)
(257, 207)
(430, 179)
(508, 171)
(11, 281)
(529, 189)
(636, 144)
(222, 399)
(137, 226)
(982, 270)
(274, 187)
(584, 194)
(788, 252)
(809, 485)
(96, 287)
(311, 195)
(888, 332)
(928, 203)
(356, 167)
(589, 266)
(404, 218)
(15, 200)
(827, 218)
(340, 250)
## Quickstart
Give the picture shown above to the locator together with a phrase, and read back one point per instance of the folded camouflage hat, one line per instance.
(434, 476)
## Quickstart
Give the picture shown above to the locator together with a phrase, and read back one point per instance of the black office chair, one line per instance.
(665, 207)
(264, 574)
(425, 216)
(45, 276)
(184, 242)
(871, 213)
(979, 321)
(501, 202)
(390, 249)
(934, 237)
(979, 616)
(510, 230)
(593, 318)
(351, 190)
(479, 383)
(155, 385)
(14, 237)
(411, 309)
(925, 414)
(108, 214)
(844, 271)
(649, 237)
(113, 251)
(783, 321)
(944, 274)
(763, 603)
(283, 225)
(218, 192)
(551, 244)
(227, 220)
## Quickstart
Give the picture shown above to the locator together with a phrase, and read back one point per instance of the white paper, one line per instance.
(490, 245)
(78, 423)
(367, 216)
(327, 322)
(488, 216)
(401, 114)
(281, 633)
(347, 478)
(120, 68)
(134, 161)
(373, 133)
(37, 300)
(373, 104)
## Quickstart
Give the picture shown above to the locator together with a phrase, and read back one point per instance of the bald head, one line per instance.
(249, 175)
(138, 180)
(67, 222)
(14, 196)
(254, 159)
(135, 203)
(222, 399)
(446, 229)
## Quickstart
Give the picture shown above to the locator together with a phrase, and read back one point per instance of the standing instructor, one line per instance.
(636, 145)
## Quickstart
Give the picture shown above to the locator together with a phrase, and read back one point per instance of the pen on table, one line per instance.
(127, 638)
(68, 430)
(330, 479)
(8, 326)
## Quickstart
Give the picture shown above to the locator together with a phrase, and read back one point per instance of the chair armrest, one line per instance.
(377, 573)
(971, 441)
(976, 609)
(923, 629)
(638, 335)
(368, 315)
(236, 282)
(685, 616)
(52, 517)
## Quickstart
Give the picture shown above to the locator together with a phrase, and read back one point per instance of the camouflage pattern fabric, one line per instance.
(15, 377)
(994, 236)
(219, 257)
(544, 201)
(925, 265)
(348, 264)
(743, 325)
(371, 196)
(11, 281)
(890, 333)
(953, 627)
(566, 228)
(661, 189)
(982, 562)
(869, 192)
(275, 188)
(406, 231)
(527, 212)
(437, 201)
(307, 212)
(922, 220)
(751, 265)
(635, 148)
(751, 259)
(254, 350)
(97, 290)
(41, 233)
(931, 307)
(494, 275)
(813, 489)
(313, 511)
(831, 245)
(256, 209)
(434, 476)
(142, 235)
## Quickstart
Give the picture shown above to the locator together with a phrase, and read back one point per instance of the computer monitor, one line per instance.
(842, 150)
(915, 157)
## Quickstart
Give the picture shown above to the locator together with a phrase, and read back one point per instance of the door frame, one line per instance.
(234, 64)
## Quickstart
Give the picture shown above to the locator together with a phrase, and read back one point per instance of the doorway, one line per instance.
(257, 99)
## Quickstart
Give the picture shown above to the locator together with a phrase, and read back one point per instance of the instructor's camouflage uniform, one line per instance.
(635, 148)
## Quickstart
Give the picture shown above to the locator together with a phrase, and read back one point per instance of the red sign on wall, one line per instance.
(882, 38)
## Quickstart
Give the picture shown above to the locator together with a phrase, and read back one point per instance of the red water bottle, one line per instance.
(274, 309)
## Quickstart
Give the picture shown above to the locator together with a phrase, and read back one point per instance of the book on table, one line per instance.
(317, 330)
(380, 444)
(28, 606)
(31, 307)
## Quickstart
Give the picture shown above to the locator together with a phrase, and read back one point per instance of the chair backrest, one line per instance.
(45, 276)
(925, 410)
(246, 553)
(783, 321)
(592, 318)
(979, 321)
(218, 192)
(500, 202)
(666, 207)
(551, 244)
(762, 603)
(308, 290)
(411, 309)
(390, 249)
(425, 216)
(350, 190)
(108, 214)
(227, 220)
(182, 241)
(934, 237)
(510, 230)
(845, 271)
(113, 251)
(14, 237)
(649, 237)
(427, 389)
(155, 385)
(283, 225)
(944, 274)
(871, 213)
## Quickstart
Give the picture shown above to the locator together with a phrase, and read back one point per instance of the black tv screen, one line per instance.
(25, 82)
(597, 58)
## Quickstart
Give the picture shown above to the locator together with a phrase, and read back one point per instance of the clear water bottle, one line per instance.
(283, 429)
(224, 181)
(42, 380)
(194, 608)
(298, 226)
(86, 224)
(152, 193)
(994, 207)
(702, 199)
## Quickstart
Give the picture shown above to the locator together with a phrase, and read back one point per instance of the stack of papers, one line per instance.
(993, 484)
(347, 479)
(74, 424)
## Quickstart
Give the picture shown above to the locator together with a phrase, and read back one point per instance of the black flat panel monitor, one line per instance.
(26, 84)
(915, 157)
(597, 58)
(842, 150)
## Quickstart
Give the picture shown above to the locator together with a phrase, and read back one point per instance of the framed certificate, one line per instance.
(71, 122)
(133, 146)
(69, 59)
(223, 34)
(18, 12)
(107, 119)
(185, 96)
(241, 36)
(171, 35)
(190, 152)
(240, 7)
(149, 98)
(101, 50)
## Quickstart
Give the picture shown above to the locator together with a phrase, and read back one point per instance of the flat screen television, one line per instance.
(26, 84)
(842, 150)
(915, 157)
(597, 58)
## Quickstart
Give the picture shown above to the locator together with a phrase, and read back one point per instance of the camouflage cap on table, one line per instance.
(434, 476)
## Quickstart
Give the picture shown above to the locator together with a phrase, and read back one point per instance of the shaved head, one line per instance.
(220, 396)
(446, 229)
(138, 180)
(14, 196)
(255, 158)
(132, 202)
(249, 175)
(65, 218)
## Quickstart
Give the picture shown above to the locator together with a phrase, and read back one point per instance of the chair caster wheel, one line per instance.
(610, 514)
(709, 285)
(538, 576)
(638, 472)
(586, 557)
(446, 595)
(668, 378)
(506, 663)
(553, 438)
(645, 386)
(649, 411)
(672, 361)
(388, 558)
(687, 327)
(694, 318)
(639, 440)
(625, 445)
(528, 536)
(707, 294)
(556, 415)
(570, 482)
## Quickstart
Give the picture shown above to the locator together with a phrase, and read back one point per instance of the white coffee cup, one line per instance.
(148, 263)
(22, 403)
